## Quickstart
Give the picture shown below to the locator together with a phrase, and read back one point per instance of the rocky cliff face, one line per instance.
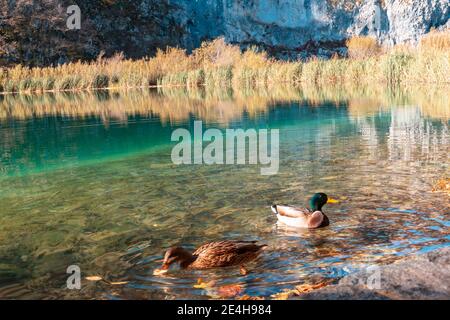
(35, 32)
(291, 26)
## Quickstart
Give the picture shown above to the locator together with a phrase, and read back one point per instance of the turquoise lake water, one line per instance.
(101, 192)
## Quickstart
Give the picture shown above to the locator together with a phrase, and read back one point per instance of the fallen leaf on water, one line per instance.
(204, 285)
(93, 278)
(284, 295)
(118, 283)
(247, 297)
(98, 278)
(442, 185)
(304, 288)
(230, 290)
(329, 178)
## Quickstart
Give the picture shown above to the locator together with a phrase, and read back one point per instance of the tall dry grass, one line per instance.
(362, 47)
(217, 64)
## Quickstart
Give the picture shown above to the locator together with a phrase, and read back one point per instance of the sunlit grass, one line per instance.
(362, 47)
(218, 64)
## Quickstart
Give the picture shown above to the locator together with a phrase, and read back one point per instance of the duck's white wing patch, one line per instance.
(289, 211)
(293, 222)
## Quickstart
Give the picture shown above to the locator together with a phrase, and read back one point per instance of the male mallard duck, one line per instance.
(214, 255)
(304, 217)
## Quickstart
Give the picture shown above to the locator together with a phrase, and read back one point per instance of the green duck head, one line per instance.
(317, 201)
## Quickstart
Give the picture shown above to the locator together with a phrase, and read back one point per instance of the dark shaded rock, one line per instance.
(35, 32)
(425, 276)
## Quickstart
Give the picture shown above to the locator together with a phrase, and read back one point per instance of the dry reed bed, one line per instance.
(218, 64)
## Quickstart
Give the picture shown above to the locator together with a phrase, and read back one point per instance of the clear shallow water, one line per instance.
(99, 190)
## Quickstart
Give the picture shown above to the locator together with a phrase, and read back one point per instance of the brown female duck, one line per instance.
(214, 255)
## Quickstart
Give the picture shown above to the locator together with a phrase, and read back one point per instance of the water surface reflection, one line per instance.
(88, 180)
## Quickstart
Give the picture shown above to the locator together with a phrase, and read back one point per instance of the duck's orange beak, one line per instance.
(163, 270)
(165, 266)
(331, 200)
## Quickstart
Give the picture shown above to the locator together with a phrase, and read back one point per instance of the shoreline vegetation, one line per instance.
(217, 64)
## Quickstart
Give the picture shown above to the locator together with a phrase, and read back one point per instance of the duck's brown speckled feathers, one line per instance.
(225, 253)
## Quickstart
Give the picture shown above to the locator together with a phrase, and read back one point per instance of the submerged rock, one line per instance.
(425, 276)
